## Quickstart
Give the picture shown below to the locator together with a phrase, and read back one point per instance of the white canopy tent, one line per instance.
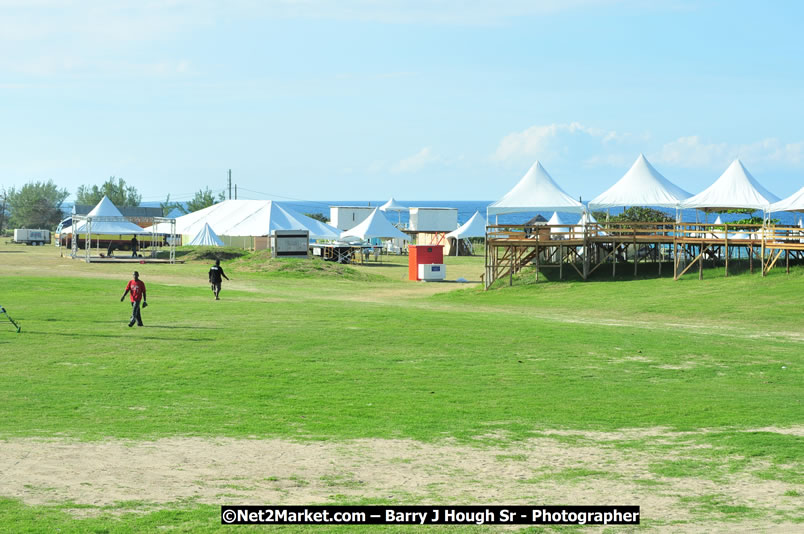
(375, 226)
(794, 202)
(474, 227)
(250, 218)
(586, 218)
(206, 237)
(106, 219)
(555, 220)
(735, 188)
(642, 185)
(393, 205)
(536, 191)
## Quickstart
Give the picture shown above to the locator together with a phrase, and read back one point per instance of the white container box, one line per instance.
(430, 272)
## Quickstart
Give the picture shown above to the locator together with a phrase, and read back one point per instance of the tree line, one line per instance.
(39, 204)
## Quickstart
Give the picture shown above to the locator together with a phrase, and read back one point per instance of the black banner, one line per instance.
(429, 515)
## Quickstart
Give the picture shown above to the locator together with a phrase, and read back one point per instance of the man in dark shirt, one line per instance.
(134, 246)
(215, 280)
(137, 289)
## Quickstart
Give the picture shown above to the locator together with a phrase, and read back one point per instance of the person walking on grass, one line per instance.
(216, 276)
(137, 289)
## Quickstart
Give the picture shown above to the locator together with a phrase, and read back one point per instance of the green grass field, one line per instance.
(683, 397)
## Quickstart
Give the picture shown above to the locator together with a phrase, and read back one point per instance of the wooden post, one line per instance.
(537, 259)
(614, 259)
(727, 248)
(511, 272)
(636, 253)
(751, 256)
(700, 262)
(560, 262)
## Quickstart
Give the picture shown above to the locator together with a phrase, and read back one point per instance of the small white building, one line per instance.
(347, 217)
(433, 219)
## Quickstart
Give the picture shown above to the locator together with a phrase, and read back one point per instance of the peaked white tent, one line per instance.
(556, 219)
(375, 225)
(794, 202)
(536, 191)
(109, 221)
(249, 218)
(586, 218)
(206, 237)
(474, 227)
(642, 185)
(392, 205)
(735, 188)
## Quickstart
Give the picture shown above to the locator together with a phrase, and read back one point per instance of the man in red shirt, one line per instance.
(137, 289)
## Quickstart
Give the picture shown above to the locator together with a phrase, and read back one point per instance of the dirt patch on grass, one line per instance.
(542, 470)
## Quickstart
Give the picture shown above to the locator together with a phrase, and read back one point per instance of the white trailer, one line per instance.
(433, 219)
(347, 217)
(31, 237)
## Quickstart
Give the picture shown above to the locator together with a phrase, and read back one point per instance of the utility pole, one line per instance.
(235, 191)
(230, 184)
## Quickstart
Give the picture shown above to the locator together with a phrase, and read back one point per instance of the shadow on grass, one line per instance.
(115, 336)
(624, 271)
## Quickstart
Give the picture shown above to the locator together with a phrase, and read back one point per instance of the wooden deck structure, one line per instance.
(586, 249)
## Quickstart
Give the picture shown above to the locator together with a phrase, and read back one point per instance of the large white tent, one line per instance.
(206, 237)
(249, 218)
(393, 205)
(474, 227)
(109, 221)
(536, 191)
(735, 188)
(794, 202)
(642, 185)
(374, 226)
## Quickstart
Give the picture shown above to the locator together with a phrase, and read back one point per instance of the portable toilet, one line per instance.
(424, 255)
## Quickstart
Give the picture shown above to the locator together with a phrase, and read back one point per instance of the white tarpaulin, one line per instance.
(105, 208)
(642, 185)
(794, 202)
(376, 225)
(249, 218)
(206, 238)
(735, 188)
(474, 227)
(536, 191)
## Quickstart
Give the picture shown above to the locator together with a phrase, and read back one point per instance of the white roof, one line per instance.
(376, 225)
(642, 185)
(474, 227)
(735, 188)
(105, 208)
(794, 202)
(249, 218)
(536, 191)
(206, 237)
(392, 205)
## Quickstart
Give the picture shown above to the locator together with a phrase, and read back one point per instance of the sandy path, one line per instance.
(236, 471)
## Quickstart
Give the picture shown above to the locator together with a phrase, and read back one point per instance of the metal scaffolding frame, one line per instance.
(155, 236)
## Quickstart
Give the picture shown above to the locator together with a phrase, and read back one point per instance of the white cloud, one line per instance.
(558, 141)
(416, 162)
(692, 152)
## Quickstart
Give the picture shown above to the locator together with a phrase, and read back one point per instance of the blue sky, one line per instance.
(420, 100)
